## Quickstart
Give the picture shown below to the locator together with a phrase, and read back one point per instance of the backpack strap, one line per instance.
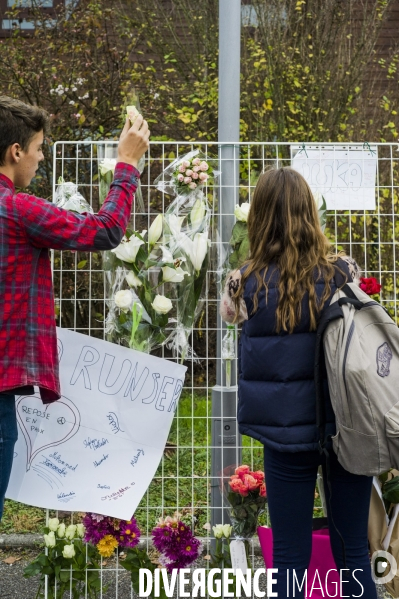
(333, 312)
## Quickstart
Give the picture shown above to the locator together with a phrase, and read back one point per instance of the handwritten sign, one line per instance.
(344, 174)
(98, 447)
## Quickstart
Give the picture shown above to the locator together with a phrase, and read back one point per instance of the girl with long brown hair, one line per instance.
(279, 295)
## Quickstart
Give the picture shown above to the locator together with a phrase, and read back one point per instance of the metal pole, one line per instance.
(225, 437)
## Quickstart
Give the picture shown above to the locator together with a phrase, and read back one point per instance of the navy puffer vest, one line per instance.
(277, 400)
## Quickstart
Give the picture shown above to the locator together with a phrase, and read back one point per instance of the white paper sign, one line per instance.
(238, 556)
(98, 447)
(344, 174)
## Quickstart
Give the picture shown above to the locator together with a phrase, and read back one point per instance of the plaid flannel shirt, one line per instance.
(29, 227)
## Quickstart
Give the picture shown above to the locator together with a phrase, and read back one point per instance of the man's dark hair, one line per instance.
(18, 124)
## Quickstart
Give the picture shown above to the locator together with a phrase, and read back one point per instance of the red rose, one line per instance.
(259, 476)
(369, 285)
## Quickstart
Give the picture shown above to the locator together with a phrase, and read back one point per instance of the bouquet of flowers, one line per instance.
(67, 196)
(155, 280)
(67, 563)
(175, 542)
(187, 174)
(107, 533)
(246, 493)
(176, 548)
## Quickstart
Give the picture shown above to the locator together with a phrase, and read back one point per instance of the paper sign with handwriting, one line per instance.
(344, 174)
(98, 447)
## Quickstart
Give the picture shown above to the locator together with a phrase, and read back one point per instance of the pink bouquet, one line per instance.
(246, 494)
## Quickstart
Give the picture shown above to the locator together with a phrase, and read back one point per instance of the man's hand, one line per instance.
(134, 141)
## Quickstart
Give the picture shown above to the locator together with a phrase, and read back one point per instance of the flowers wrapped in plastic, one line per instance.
(68, 197)
(156, 278)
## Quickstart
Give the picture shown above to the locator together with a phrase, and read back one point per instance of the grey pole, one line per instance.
(225, 437)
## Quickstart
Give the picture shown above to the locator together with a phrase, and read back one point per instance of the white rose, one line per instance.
(61, 530)
(218, 531)
(241, 212)
(68, 551)
(124, 299)
(80, 530)
(155, 231)
(132, 113)
(227, 530)
(53, 524)
(127, 250)
(162, 304)
(70, 532)
(173, 275)
(50, 539)
(107, 165)
(132, 279)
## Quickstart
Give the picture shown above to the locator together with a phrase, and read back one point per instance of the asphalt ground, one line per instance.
(14, 586)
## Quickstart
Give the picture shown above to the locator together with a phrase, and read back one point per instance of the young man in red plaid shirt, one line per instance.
(29, 227)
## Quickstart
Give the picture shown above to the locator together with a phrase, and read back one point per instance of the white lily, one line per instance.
(175, 223)
(155, 231)
(173, 275)
(199, 250)
(127, 249)
(197, 213)
(167, 255)
(132, 279)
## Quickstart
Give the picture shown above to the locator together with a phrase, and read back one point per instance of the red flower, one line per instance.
(369, 285)
(259, 476)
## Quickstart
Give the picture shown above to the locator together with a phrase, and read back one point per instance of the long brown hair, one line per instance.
(284, 230)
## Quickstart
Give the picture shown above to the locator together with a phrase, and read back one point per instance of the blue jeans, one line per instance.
(8, 437)
(290, 485)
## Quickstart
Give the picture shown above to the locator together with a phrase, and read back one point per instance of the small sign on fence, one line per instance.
(98, 447)
(344, 174)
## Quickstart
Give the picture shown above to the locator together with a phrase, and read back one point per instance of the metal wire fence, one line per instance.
(183, 479)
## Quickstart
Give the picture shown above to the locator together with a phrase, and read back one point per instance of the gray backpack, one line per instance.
(361, 351)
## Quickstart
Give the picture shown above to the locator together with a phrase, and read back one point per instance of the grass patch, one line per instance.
(21, 518)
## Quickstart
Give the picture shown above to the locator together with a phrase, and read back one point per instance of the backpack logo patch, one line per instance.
(384, 357)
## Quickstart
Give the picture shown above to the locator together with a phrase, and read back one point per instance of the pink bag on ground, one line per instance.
(321, 560)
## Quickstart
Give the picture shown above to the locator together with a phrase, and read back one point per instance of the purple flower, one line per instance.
(126, 532)
(162, 537)
(129, 533)
(177, 545)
